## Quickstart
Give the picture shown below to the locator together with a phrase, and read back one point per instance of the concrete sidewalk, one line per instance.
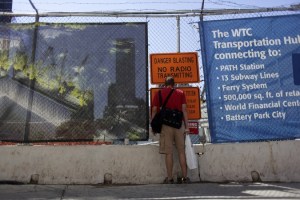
(193, 191)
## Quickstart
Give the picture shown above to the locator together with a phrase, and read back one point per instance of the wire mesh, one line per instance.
(50, 94)
(82, 77)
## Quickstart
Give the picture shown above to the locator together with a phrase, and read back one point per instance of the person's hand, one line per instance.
(186, 131)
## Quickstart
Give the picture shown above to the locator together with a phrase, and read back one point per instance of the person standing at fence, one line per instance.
(170, 135)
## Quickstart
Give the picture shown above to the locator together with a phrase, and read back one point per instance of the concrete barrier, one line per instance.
(142, 164)
(277, 161)
(84, 164)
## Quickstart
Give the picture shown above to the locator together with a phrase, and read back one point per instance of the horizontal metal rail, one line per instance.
(186, 13)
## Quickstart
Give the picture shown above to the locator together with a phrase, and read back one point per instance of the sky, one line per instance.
(23, 6)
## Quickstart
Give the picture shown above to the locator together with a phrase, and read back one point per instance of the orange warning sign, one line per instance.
(182, 66)
(192, 100)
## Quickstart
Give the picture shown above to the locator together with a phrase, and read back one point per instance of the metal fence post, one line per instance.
(32, 82)
(178, 33)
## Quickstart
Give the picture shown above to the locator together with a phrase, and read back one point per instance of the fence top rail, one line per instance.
(185, 13)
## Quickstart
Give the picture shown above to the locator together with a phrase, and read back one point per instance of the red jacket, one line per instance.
(175, 101)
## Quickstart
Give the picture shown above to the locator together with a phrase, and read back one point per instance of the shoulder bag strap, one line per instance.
(165, 103)
(160, 98)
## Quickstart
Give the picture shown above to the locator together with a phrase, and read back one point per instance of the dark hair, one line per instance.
(169, 81)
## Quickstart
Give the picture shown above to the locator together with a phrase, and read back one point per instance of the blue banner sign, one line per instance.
(252, 71)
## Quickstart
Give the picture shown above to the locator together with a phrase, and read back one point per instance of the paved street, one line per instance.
(192, 191)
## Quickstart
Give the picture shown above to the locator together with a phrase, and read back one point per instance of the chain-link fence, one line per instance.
(85, 76)
(69, 77)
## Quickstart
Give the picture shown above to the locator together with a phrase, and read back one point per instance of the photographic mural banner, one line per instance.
(73, 81)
